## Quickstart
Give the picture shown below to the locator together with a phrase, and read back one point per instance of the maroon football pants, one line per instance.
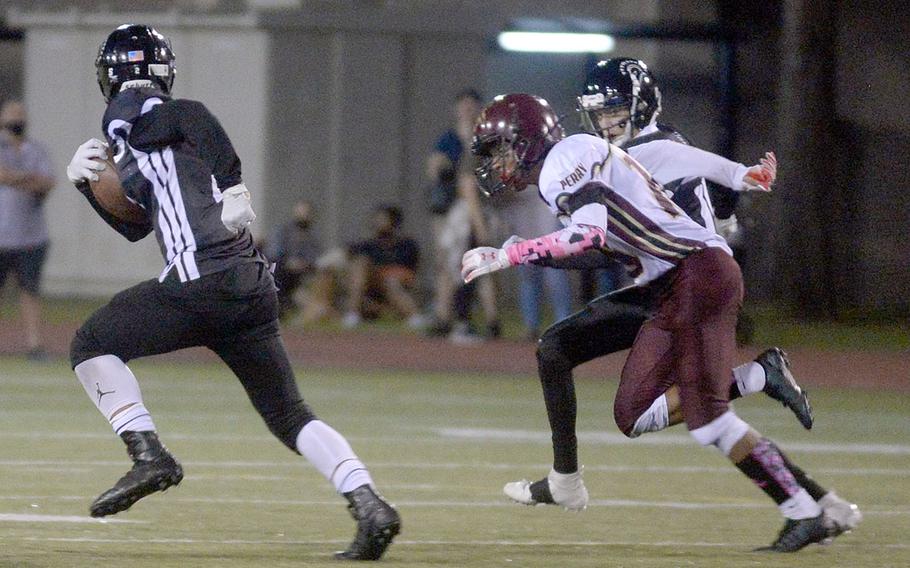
(690, 342)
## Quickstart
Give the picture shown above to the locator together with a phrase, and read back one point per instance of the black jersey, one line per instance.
(174, 159)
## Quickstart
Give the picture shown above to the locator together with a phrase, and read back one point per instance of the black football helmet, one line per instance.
(513, 133)
(619, 82)
(134, 53)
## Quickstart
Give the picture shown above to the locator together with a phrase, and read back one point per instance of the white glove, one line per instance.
(482, 260)
(727, 228)
(514, 239)
(762, 176)
(236, 211)
(87, 160)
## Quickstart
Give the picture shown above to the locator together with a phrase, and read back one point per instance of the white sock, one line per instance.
(800, 506)
(331, 454)
(114, 390)
(749, 378)
(654, 419)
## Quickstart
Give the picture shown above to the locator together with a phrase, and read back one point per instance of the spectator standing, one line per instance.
(525, 214)
(459, 223)
(25, 180)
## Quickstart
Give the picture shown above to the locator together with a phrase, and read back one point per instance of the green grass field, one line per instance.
(440, 447)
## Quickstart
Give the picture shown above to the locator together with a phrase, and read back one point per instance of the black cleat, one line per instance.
(796, 535)
(377, 524)
(154, 469)
(780, 385)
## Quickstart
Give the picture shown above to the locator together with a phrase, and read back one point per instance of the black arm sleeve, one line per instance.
(589, 260)
(131, 231)
(723, 199)
(189, 123)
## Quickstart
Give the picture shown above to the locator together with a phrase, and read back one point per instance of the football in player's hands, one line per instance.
(109, 194)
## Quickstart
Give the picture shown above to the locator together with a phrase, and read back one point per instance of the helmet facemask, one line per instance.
(513, 134)
(502, 164)
(612, 122)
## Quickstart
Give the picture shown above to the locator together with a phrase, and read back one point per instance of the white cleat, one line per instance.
(840, 516)
(564, 489)
(520, 492)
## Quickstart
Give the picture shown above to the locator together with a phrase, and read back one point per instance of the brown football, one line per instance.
(109, 194)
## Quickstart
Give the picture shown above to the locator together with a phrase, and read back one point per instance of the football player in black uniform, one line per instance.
(176, 162)
(620, 102)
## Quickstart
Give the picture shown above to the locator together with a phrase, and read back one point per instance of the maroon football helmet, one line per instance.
(513, 134)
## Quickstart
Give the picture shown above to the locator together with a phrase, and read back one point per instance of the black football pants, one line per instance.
(606, 325)
(233, 312)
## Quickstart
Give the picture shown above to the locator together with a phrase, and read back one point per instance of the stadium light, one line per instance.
(551, 42)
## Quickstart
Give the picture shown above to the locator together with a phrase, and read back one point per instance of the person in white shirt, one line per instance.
(613, 205)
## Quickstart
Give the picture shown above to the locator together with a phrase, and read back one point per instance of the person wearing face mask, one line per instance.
(382, 272)
(295, 251)
(25, 179)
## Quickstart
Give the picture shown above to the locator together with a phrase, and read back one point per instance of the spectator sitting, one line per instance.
(296, 252)
(383, 270)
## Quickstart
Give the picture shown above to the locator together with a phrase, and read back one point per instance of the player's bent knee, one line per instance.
(84, 347)
(625, 420)
(724, 432)
(550, 353)
(633, 423)
(286, 424)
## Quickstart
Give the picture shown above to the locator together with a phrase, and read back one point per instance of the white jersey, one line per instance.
(619, 196)
(682, 168)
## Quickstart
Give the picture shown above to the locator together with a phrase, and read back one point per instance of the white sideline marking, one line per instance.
(19, 518)
(609, 438)
(493, 543)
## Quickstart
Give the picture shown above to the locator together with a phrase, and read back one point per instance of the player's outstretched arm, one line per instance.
(674, 160)
(576, 239)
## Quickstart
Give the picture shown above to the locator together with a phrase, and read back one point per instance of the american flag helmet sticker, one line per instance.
(133, 56)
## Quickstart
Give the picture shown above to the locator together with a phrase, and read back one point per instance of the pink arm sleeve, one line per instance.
(573, 240)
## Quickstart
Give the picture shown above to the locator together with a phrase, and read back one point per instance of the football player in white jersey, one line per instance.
(620, 102)
(614, 205)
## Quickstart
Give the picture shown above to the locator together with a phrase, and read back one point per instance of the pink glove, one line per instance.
(762, 176)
